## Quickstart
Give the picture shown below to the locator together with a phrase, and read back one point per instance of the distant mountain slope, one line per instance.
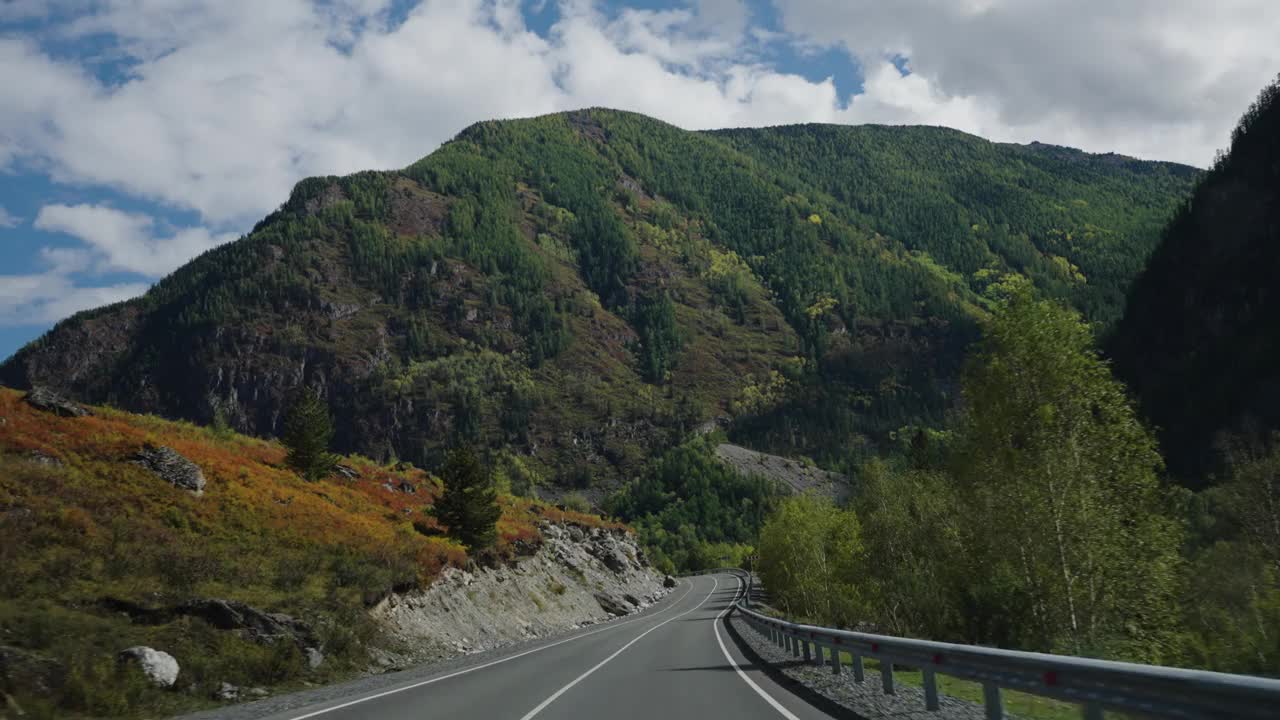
(1079, 224)
(586, 287)
(1199, 342)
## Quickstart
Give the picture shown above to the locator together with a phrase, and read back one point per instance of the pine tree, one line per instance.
(307, 431)
(469, 505)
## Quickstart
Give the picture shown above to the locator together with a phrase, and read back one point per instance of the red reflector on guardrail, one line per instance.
(937, 659)
(1050, 678)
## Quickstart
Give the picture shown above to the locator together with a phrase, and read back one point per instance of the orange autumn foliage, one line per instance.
(251, 500)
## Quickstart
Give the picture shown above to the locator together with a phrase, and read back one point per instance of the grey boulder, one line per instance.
(613, 605)
(160, 667)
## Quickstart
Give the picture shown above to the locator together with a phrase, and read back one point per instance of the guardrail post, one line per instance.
(807, 656)
(886, 675)
(992, 700)
(795, 647)
(817, 654)
(857, 668)
(835, 661)
(930, 690)
(1092, 711)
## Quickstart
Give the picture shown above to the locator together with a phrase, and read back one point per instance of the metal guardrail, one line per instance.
(1097, 685)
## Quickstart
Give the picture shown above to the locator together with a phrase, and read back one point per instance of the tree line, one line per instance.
(1039, 519)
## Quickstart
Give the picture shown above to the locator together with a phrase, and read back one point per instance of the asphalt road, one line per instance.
(675, 664)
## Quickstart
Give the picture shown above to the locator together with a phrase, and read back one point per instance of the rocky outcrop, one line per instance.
(171, 467)
(243, 619)
(43, 398)
(578, 576)
(160, 667)
(248, 620)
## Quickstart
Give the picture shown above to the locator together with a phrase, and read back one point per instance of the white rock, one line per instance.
(160, 667)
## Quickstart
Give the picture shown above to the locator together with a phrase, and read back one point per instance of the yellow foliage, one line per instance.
(823, 305)
(759, 396)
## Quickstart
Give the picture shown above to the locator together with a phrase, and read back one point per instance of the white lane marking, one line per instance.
(768, 698)
(542, 705)
(393, 691)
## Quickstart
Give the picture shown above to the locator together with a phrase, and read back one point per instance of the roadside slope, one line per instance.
(121, 530)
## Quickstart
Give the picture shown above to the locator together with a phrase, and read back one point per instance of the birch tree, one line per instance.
(1062, 503)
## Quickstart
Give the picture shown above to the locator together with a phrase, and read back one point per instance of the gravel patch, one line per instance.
(799, 477)
(860, 700)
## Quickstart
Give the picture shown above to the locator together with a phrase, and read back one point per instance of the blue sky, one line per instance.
(139, 133)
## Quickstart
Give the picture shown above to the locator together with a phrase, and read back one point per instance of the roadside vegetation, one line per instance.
(1039, 521)
(89, 539)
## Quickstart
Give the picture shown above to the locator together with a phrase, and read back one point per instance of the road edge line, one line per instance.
(715, 625)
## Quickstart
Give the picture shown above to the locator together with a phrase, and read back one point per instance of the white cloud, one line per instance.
(48, 297)
(120, 241)
(225, 104)
(1161, 79)
(7, 219)
(229, 103)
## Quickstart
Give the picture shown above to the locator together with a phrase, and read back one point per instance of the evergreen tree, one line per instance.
(469, 505)
(654, 318)
(307, 432)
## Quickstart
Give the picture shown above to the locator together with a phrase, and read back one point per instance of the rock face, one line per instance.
(45, 399)
(160, 667)
(171, 467)
(578, 576)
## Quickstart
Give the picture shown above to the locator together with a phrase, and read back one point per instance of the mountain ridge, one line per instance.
(585, 287)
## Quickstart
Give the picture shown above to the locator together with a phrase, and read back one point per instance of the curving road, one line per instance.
(675, 664)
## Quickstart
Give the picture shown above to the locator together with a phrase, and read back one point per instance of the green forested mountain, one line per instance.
(586, 288)
(1199, 341)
